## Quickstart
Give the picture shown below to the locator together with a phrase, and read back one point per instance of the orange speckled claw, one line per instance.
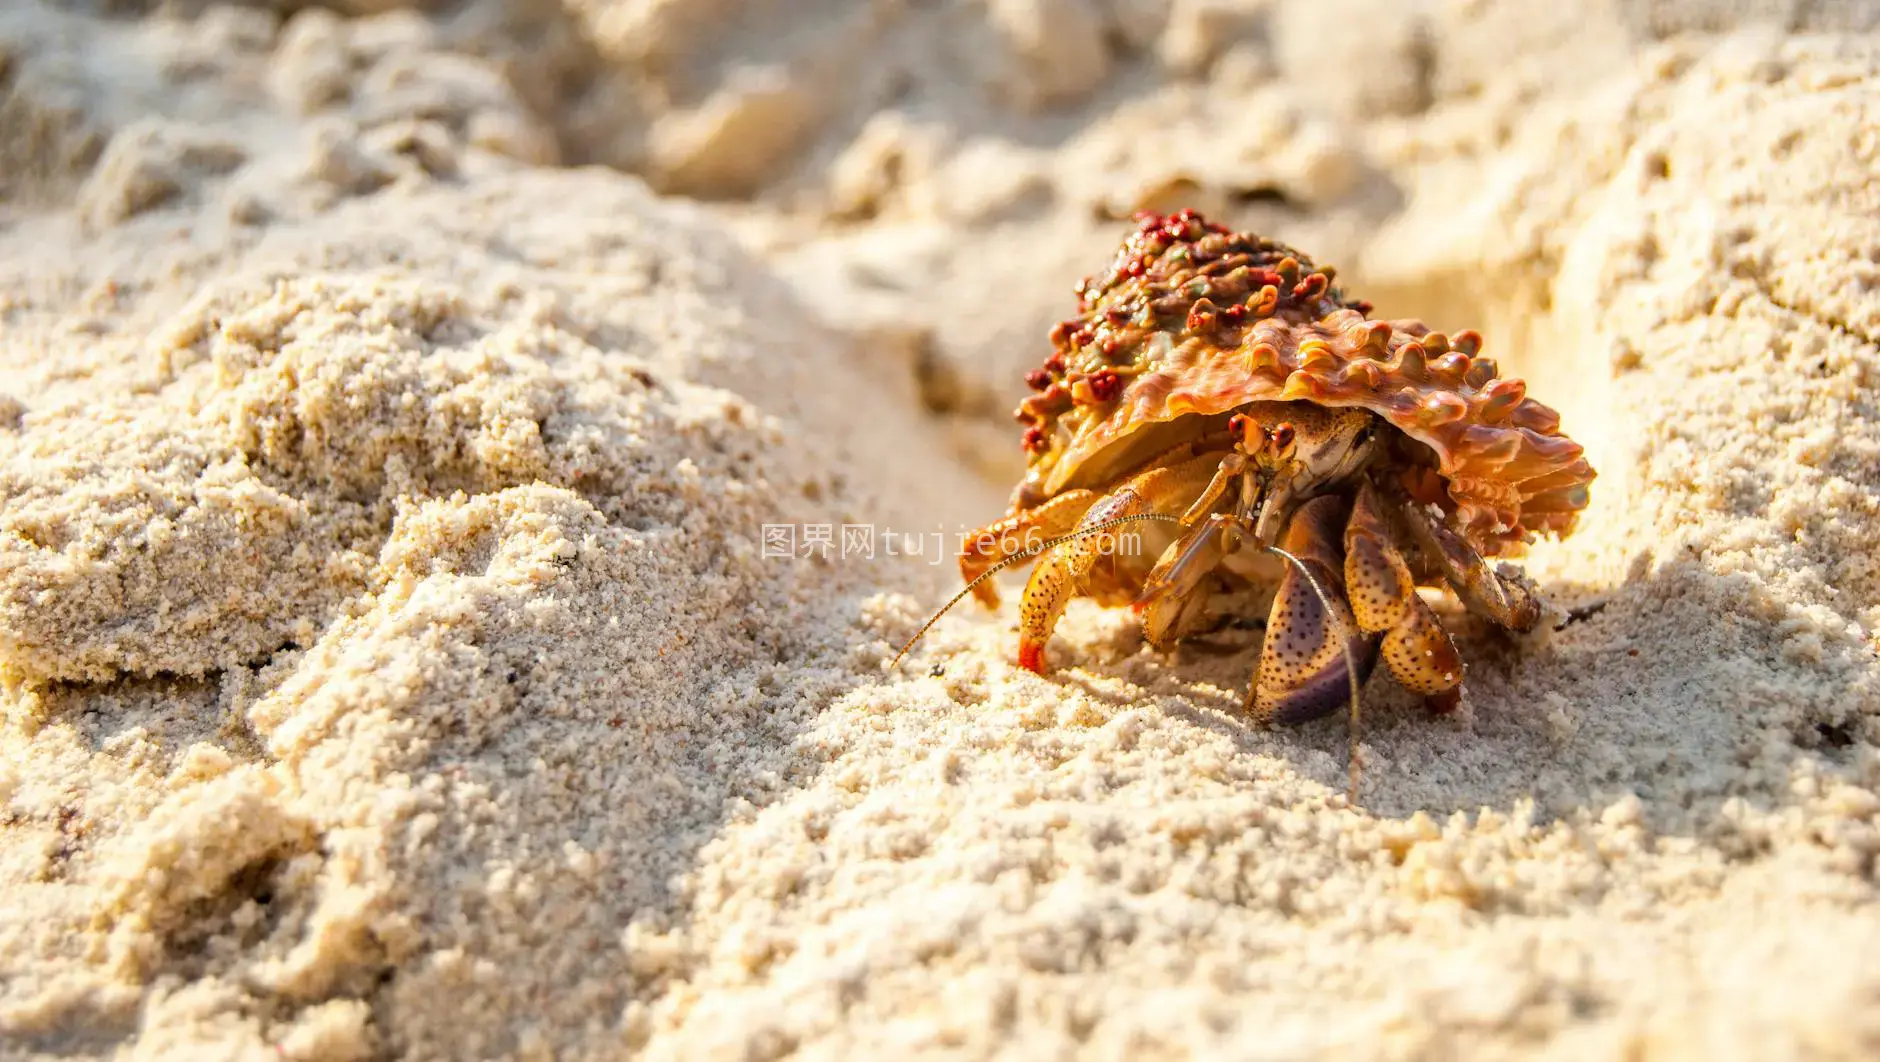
(1419, 652)
(1384, 598)
(1377, 580)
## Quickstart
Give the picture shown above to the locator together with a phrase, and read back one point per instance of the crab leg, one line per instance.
(1302, 673)
(1020, 531)
(1502, 597)
(1063, 569)
(1171, 596)
(1232, 468)
(1384, 599)
(1017, 533)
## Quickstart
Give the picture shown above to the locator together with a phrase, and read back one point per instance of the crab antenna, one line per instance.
(1027, 554)
(1344, 650)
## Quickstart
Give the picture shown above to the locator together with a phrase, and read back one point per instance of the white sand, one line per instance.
(391, 668)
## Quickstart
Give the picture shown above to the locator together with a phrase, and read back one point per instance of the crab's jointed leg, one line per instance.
(1171, 601)
(1062, 570)
(1302, 673)
(1018, 532)
(1504, 597)
(1384, 600)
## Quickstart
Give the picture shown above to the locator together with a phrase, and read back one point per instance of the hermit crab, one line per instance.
(1269, 441)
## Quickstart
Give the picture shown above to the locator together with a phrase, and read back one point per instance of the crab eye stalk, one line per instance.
(1237, 427)
(1283, 439)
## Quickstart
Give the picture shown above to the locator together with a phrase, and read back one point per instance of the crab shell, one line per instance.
(1191, 322)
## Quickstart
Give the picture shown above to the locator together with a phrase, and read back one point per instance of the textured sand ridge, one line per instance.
(392, 667)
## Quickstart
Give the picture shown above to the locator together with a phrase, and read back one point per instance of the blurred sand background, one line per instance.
(392, 397)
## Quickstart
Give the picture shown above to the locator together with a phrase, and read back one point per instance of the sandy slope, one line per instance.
(392, 667)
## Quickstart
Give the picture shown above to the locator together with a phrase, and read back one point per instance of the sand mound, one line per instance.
(383, 533)
(393, 666)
